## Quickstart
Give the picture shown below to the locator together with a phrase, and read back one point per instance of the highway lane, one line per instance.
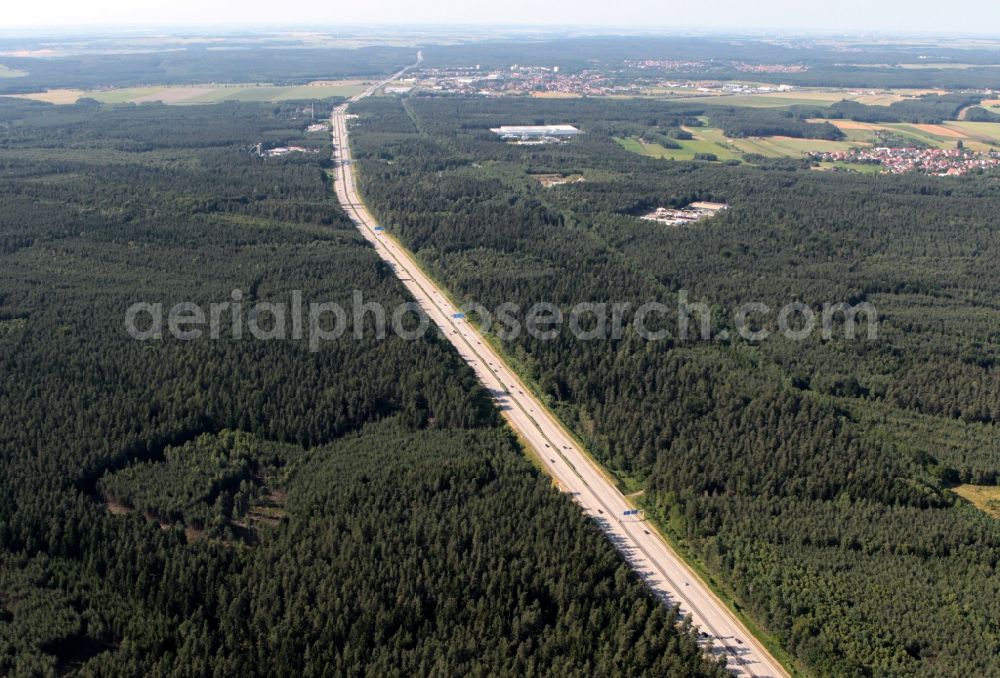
(663, 570)
(382, 83)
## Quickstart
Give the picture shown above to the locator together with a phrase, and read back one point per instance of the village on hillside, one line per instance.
(932, 161)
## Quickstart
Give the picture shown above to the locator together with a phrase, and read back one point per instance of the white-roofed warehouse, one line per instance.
(535, 131)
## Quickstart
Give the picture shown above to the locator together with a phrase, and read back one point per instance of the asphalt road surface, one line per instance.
(575, 472)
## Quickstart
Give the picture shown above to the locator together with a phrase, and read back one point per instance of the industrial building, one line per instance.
(535, 133)
(696, 211)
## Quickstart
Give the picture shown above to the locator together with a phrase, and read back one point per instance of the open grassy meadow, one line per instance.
(777, 100)
(204, 94)
(789, 147)
(803, 97)
(54, 96)
(977, 136)
(850, 167)
(713, 140)
(986, 498)
(986, 132)
(706, 141)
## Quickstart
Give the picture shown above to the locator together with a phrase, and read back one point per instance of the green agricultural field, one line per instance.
(713, 135)
(788, 147)
(759, 100)
(851, 167)
(204, 94)
(758, 145)
(707, 140)
(946, 139)
(864, 136)
(803, 97)
(713, 140)
(270, 93)
(926, 137)
(976, 136)
(634, 146)
(986, 132)
(122, 96)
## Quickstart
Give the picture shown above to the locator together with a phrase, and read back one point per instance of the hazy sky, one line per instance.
(871, 16)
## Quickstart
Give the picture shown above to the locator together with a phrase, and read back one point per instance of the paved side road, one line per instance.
(575, 472)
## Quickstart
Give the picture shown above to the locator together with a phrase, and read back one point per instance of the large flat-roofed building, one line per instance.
(528, 132)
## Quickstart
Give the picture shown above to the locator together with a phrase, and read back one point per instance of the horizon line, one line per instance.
(596, 30)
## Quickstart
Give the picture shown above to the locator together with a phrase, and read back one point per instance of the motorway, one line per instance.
(667, 575)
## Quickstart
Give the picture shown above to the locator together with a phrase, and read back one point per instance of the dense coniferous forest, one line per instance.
(855, 65)
(812, 477)
(248, 507)
(931, 108)
(742, 122)
(93, 62)
(198, 64)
